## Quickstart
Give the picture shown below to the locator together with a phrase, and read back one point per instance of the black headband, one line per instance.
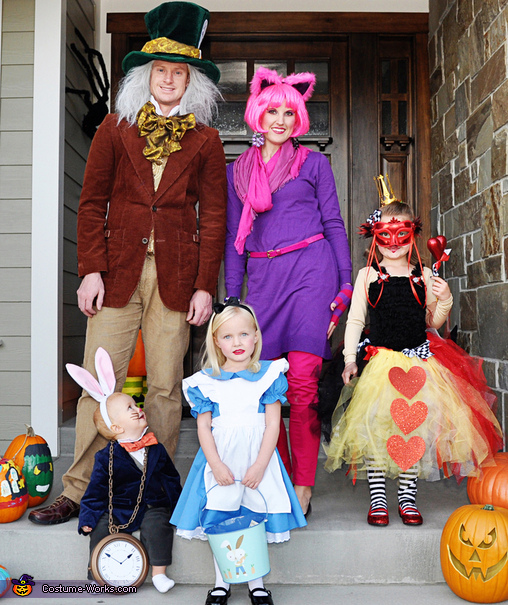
(232, 301)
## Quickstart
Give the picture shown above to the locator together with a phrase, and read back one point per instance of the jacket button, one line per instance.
(154, 208)
(144, 240)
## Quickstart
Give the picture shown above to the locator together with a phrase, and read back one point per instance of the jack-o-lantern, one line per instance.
(492, 487)
(13, 492)
(474, 553)
(32, 454)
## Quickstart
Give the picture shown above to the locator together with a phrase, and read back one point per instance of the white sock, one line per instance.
(219, 582)
(162, 583)
(258, 584)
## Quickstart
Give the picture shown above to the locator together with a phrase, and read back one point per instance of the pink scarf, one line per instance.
(255, 183)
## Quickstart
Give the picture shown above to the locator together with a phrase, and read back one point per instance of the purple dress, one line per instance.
(291, 294)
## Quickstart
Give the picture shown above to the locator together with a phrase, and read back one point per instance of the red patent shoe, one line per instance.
(378, 519)
(411, 516)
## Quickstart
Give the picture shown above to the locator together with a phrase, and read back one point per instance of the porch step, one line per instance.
(337, 547)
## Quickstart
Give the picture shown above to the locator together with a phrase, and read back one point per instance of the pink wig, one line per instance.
(269, 89)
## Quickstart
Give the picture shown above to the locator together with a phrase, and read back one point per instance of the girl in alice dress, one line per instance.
(421, 407)
(237, 400)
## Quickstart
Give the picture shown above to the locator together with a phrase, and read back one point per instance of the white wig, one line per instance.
(200, 98)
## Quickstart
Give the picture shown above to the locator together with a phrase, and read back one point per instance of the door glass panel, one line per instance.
(321, 70)
(402, 117)
(233, 78)
(318, 116)
(230, 119)
(387, 117)
(402, 76)
(386, 85)
(279, 66)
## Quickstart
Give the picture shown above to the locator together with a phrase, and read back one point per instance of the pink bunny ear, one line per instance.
(86, 381)
(303, 82)
(105, 371)
(262, 78)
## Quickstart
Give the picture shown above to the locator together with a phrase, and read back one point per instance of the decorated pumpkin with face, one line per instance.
(13, 492)
(32, 454)
(474, 553)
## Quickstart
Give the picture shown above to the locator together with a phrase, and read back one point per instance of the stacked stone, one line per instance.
(468, 47)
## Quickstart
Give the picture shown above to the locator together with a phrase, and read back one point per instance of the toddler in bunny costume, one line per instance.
(135, 452)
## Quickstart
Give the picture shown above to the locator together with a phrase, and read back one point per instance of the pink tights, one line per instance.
(304, 424)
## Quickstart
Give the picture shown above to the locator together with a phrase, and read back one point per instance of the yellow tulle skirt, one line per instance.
(407, 412)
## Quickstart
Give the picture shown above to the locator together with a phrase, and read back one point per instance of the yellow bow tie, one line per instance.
(162, 134)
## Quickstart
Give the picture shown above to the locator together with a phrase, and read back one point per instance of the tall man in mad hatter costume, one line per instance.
(143, 260)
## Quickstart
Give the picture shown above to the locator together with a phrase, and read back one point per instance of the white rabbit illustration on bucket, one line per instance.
(237, 556)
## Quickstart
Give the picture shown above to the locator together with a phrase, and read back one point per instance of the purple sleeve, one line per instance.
(234, 263)
(334, 230)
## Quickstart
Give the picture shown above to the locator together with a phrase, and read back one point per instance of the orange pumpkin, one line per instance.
(137, 363)
(492, 487)
(474, 553)
(13, 491)
(33, 456)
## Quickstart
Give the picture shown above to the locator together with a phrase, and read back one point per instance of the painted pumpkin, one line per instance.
(492, 488)
(474, 553)
(32, 454)
(5, 581)
(13, 491)
(137, 363)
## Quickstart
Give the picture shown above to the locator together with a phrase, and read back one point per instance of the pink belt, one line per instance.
(280, 251)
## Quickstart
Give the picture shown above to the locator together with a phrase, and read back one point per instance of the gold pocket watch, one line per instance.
(120, 559)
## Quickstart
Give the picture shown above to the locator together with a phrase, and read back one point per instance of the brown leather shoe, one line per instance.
(62, 510)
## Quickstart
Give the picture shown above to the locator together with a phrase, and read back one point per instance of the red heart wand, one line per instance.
(438, 249)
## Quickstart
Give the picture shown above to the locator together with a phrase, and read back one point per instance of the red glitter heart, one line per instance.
(405, 454)
(406, 417)
(437, 245)
(407, 383)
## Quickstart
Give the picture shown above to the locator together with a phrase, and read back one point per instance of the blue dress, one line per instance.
(237, 402)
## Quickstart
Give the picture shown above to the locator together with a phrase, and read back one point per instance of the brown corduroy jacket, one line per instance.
(119, 208)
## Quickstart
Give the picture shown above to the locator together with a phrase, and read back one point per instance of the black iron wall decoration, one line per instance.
(99, 85)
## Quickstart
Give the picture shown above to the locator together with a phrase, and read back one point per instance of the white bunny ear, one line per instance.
(105, 371)
(86, 381)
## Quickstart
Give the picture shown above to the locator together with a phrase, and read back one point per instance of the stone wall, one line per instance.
(469, 102)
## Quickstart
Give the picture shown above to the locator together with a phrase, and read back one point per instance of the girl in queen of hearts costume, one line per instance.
(421, 407)
(236, 399)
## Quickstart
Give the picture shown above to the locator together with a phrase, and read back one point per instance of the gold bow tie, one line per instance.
(162, 134)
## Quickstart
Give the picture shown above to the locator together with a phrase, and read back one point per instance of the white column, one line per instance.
(47, 218)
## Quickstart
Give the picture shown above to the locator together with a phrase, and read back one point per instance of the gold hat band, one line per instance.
(170, 47)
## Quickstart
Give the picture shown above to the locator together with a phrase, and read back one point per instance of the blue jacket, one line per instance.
(162, 486)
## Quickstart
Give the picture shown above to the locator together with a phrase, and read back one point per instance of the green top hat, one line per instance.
(176, 31)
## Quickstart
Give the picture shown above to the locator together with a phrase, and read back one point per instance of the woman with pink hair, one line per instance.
(285, 229)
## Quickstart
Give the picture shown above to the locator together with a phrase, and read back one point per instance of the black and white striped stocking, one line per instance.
(407, 491)
(377, 487)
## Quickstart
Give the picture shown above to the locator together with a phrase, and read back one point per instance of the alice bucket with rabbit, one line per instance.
(239, 546)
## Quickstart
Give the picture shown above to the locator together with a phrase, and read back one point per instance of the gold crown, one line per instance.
(386, 195)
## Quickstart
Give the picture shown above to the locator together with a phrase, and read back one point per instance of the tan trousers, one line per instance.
(166, 339)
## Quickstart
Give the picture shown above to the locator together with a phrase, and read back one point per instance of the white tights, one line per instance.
(219, 582)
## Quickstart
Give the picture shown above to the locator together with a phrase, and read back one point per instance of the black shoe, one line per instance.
(265, 599)
(309, 511)
(218, 599)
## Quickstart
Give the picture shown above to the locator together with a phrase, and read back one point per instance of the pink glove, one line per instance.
(342, 301)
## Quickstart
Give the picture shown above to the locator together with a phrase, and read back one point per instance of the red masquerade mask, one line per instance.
(394, 233)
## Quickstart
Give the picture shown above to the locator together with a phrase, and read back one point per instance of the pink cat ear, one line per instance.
(262, 78)
(105, 371)
(303, 82)
(85, 380)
